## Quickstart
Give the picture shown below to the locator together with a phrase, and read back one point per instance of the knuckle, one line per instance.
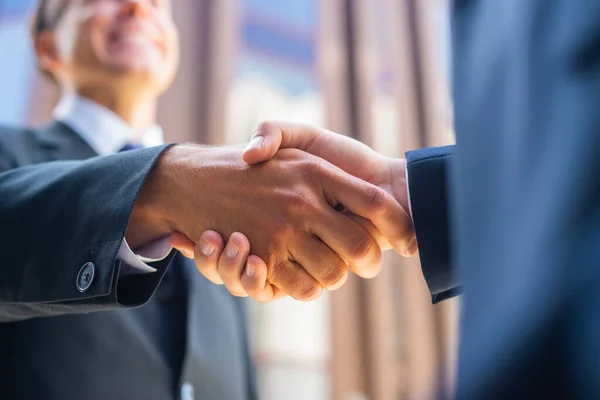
(313, 166)
(377, 200)
(335, 275)
(309, 167)
(297, 201)
(265, 127)
(278, 269)
(361, 248)
(309, 292)
(283, 229)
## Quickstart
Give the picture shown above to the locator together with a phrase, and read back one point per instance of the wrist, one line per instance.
(153, 215)
(398, 182)
(184, 192)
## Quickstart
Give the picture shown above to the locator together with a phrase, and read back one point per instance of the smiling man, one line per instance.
(111, 60)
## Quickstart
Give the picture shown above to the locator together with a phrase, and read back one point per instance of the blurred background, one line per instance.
(377, 70)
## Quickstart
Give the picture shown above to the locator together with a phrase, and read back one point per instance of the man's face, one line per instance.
(101, 41)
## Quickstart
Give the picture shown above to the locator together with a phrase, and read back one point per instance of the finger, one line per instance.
(371, 202)
(349, 240)
(206, 255)
(254, 281)
(182, 243)
(232, 263)
(270, 136)
(412, 249)
(348, 154)
(294, 280)
(267, 139)
(367, 225)
(320, 261)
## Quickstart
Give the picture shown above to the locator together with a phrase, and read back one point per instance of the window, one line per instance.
(16, 75)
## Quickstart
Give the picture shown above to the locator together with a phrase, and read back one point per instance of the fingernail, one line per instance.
(411, 249)
(232, 250)
(250, 270)
(255, 143)
(206, 248)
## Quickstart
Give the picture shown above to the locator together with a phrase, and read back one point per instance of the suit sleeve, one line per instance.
(427, 175)
(55, 218)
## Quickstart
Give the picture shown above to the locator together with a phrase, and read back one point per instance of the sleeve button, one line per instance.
(85, 277)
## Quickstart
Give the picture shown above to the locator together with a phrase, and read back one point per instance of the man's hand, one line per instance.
(348, 154)
(286, 207)
(247, 273)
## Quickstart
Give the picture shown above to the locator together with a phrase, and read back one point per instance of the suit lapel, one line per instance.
(60, 142)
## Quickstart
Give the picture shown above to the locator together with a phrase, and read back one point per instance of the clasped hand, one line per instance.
(361, 205)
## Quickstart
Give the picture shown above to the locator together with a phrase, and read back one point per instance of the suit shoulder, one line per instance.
(13, 130)
(11, 136)
(15, 143)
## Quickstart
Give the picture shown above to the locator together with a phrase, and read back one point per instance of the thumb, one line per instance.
(264, 144)
(270, 136)
(183, 244)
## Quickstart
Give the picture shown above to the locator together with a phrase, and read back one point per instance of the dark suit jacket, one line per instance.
(119, 354)
(520, 220)
(53, 221)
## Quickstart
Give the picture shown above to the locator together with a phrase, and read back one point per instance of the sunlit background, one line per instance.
(374, 69)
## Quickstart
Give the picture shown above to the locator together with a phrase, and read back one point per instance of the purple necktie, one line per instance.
(131, 146)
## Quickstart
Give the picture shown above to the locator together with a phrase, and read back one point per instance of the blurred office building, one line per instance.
(377, 70)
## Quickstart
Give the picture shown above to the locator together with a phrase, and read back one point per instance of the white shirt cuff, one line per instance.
(136, 262)
(408, 195)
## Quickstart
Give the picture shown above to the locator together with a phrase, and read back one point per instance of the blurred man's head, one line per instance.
(121, 44)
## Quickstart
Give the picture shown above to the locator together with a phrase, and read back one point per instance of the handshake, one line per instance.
(299, 206)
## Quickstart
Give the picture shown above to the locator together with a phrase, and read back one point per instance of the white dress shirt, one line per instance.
(107, 133)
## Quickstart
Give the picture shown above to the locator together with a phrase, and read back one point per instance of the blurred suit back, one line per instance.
(527, 197)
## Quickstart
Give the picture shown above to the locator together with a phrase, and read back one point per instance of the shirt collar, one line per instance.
(102, 129)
